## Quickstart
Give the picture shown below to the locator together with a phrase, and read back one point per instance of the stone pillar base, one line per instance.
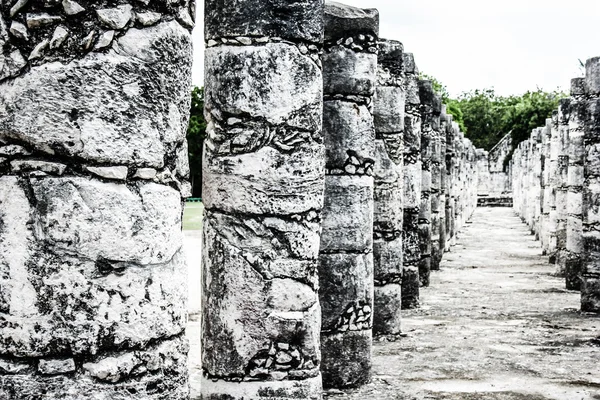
(309, 389)
(347, 361)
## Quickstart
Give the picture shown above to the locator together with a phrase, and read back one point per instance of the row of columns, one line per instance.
(327, 163)
(316, 237)
(554, 175)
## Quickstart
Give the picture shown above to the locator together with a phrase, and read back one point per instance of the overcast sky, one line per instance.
(510, 45)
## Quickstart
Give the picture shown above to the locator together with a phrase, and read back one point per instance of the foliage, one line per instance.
(528, 112)
(196, 133)
(486, 117)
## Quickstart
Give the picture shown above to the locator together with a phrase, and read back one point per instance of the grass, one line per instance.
(192, 216)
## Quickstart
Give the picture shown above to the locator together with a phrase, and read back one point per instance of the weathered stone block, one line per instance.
(348, 214)
(349, 72)
(347, 296)
(249, 308)
(350, 138)
(342, 21)
(274, 82)
(389, 109)
(347, 363)
(68, 101)
(295, 20)
(387, 306)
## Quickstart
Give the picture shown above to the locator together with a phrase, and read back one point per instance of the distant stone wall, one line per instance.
(555, 184)
(493, 170)
(94, 105)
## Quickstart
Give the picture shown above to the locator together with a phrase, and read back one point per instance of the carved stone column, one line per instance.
(412, 185)
(590, 271)
(346, 258)
(263, 195)
(389, 117)
(94, 103)
(575, 180)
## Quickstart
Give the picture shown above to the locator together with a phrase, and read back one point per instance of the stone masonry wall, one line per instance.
(94, 103)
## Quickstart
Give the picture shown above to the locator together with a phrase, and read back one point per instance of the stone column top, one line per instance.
(577, 87)
(300, 20)
(342, 21)
(592, 76)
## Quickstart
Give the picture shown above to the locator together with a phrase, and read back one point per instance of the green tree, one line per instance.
(529, 112)
(196, 133)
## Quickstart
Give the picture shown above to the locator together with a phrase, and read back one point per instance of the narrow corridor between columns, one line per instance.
(494, 324)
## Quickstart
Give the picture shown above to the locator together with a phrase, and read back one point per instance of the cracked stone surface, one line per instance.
(91, 260)
(263, 183)
(346, 255)
(388, 115)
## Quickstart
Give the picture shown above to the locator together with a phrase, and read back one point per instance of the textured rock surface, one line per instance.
(412, 184)
(430, 111)
(388, 116)
(575, 176)
(346, 254)
(590, 269)
(263, 195)
(91, 267)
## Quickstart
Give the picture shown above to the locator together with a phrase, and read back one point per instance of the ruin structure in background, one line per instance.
(94, 105)
(346, 255)
(263, 196)
(389, 115)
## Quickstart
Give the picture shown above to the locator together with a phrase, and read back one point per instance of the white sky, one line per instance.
(510, 45)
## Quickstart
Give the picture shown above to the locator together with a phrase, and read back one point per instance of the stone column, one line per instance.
(438, 182)
(537, 182)
(552, 182)
(576, 153)
(515, 163)
(263, 195)
(460, 179)
(590, 271)
(561, 118)
(94, 104)
(449, 178)
(389, 117)
(429, 140)
(412, 185)
(346, 257)
(546, 189)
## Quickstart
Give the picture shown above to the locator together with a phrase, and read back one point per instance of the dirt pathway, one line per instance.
(495, 324)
